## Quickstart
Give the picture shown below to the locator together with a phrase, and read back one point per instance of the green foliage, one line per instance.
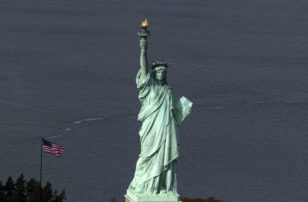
(47, 190)
(210, 199)
(1, 191)
(58, 198)
(28, 191)
(31, 185)
(9, 188)
(20, 194)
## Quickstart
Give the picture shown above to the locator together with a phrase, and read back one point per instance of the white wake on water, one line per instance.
(74, 124)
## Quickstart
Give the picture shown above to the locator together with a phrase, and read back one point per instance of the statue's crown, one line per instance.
(159, 63)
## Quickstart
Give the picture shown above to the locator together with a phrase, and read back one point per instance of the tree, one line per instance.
(20, 194)
(210, 199)
(1, 191)
(58, 198)
(31, 185)
(9, 189)
(28, 191)
(47, 191)
(35, 195)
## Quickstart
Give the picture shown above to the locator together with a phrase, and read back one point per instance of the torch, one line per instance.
(144, 33)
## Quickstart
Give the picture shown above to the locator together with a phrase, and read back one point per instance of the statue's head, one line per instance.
(159, 68)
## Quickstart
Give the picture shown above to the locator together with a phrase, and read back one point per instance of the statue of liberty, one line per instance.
(160, 114)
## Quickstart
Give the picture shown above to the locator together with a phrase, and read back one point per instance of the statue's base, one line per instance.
(132, 197)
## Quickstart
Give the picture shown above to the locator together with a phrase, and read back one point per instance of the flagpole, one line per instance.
(41, 170)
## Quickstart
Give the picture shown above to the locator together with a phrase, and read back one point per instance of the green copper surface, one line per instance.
(161, 114)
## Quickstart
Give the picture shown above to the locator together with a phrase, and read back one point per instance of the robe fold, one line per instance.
(160, 115)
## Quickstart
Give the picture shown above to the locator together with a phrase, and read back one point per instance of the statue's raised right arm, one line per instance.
(143, 57)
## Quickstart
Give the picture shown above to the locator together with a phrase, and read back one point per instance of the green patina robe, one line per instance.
(160, 115)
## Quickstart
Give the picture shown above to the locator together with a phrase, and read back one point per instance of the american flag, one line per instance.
(52, 148)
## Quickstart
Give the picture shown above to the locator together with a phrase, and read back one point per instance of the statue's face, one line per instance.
(161, 74)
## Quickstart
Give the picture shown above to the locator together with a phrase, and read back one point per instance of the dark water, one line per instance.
(68, 73)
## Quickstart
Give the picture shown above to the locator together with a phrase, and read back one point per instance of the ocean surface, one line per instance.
(67, 73)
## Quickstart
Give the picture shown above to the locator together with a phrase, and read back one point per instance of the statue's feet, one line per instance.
(134, 189)
(172, 193)
(138, 191)
(163, 191)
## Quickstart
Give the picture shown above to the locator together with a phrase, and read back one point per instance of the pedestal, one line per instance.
(132, 197)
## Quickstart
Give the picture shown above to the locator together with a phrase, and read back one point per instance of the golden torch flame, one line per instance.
(144, 24)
